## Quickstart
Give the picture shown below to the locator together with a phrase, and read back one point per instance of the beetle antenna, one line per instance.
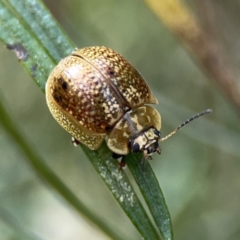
(185, 123)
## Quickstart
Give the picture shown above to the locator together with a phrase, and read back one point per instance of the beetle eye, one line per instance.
(157, 133)
(136, 147)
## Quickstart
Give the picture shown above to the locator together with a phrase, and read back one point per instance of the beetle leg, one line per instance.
(75, 142)
(159, 150)
(122, 163)
(121, 160)
(144, 159)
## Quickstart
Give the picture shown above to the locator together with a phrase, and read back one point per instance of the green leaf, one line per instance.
(117, 181)
(152, 193)
(27, 28)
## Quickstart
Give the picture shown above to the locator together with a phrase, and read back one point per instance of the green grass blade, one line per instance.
(152, 193)
(116, 180)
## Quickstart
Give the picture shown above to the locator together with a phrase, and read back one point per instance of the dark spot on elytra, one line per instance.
(57, 98)
(64, 85)
(19, 49)
(111, 72)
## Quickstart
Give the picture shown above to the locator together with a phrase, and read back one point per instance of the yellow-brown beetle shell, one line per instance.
(90, 90)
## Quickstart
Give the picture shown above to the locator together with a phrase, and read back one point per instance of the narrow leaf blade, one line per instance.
(152, 193)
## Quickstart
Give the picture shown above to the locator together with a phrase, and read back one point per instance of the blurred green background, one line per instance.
(199, 167)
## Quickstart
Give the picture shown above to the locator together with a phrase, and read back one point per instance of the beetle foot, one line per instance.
(75, 142)
(159, 150)
(121, 159)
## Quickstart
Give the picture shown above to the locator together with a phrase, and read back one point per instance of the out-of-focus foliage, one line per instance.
(199, 167)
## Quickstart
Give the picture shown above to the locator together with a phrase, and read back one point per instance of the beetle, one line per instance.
(96, 94)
